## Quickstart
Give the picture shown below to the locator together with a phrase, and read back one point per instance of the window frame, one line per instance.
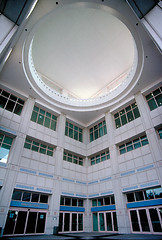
(98, 130)
(73, 131)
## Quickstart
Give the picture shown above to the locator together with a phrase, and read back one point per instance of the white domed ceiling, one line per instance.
(82, 52)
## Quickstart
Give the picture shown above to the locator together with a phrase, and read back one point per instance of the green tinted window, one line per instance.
(154, 99)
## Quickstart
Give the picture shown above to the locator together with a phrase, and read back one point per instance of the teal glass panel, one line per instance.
(129, 146)
(159, 99)
(134, 221)
(69, 157)
(40, 119)
(43, 148)
(53, 125)
(102, 222)
(54, 117)
(80, 137)
(109, 222)
(116, 115)
(20, 101)
(10, 105)
(8, 140)
(96, 134)
(80, 162)
(130, 116)
(117, 122)
(152, 104)
(47, 122)
(71, 125)
(105, 129)
(76, 128)
(101, 132)
(42, 111)
(36, 109)
(92, 161)
(100, 202)
(75, 135)
(66, 131)
(91, 137)
(18, 109)
(149, 194)
(156, 92)
(80, 222)
(95, 222)
(70, 133)
(160, 133)
(80, 203)
(34, 116)
(144, 220)
(27, 145)
(49, 153)
(35, 148)
(115, 222)
(122, 151)
(123, 119)
(149, 96)
(144, 141)
(98, 158)
(48, 114)
(3, 101)
(155, 220)
(103, 157)
(94, 203)
(128, 108)
(136, 112)
(136, 143)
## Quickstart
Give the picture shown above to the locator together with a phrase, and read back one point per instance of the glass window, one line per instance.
(67, 201)
(160, 133)
(97, 131)
(157, 192)
(107, 200)
(26, 196)
(94, 202)
(35, 197)
(130, 197)
(44, 118)
(43, 198)
(17, 195)
(5, 146)
(74, 202)
(38, 147)
(10, 102)
(149, 194)
(73, 158)
(80, 203)
(100, 202)
(126, 115)
(134, 221)
(73, 131)
(154, 99)
(100, 157)
(139, 196)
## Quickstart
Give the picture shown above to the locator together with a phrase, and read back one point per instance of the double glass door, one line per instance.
(25, 222)
(70, 222)
(105, 221)
(147, 220)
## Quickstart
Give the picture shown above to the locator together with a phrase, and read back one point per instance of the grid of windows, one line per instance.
(75, 202)
(160, 132)
(100, 157)
(38, 147)
(29, 196)
(5, 146)
(98, 131)
(73, 158)
(126, 115)
(105, 201)
(10, 102)
(74, 132)
(154, 99)
(144, 195)
(131, 145)
(44, 118)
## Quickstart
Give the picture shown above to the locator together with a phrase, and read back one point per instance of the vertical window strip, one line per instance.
(5, 146)
(38, 147)
(44, 118)
(100, 157)
(160, 133)
(154, 99)
(126, 115)
(105, 201)
(74, 132)
(73, 158)
(97, 131)
(10, 102)
(134, 144)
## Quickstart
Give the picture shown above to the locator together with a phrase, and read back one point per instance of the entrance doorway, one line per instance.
(105, 221)
(146, 220)
(71, 222)
(25, 221)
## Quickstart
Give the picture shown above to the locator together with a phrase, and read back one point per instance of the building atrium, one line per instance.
(80, 117)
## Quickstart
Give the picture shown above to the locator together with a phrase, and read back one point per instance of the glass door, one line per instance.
(24, 221)
(148, 220)
(105, 221)
(71, 222)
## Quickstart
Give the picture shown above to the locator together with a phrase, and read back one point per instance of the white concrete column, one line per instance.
(154, 144)
(88, 216)
(120, 200)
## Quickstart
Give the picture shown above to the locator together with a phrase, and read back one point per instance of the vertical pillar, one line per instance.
(14, 162)
(155, 147)
(55, 199)
(120, 201)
